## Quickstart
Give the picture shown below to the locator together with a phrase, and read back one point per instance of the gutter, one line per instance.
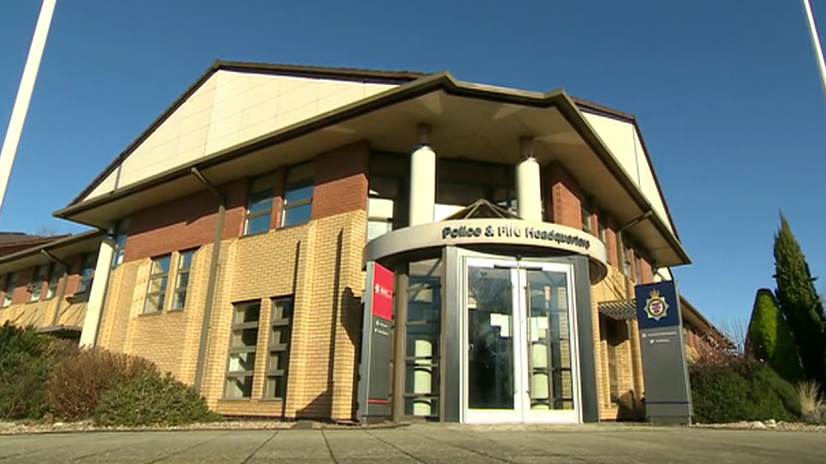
(209, 302)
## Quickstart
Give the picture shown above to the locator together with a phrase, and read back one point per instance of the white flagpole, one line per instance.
(24, 95)
(821, 64)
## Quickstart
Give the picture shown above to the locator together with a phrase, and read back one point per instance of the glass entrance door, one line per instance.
(520, 363)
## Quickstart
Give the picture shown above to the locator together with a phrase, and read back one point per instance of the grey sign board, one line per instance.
(667, 388)
(376, 346)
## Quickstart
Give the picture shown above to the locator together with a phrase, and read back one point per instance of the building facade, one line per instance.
(237, 227)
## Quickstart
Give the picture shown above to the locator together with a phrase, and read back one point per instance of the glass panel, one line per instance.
(490, 342)
(239, 387)
(301, 172)
(157, 285)
(550, 385)
(275, 387)
(380, 208)
(422, 341)
(183, 280)
(378, 228)
(185, 260)
(247, 313)
(277, 361)
(280, 336)
(259, 202)
(296, 192)
(241, 362)
(262, 183)
(297, 214)
(258, 224)
(179, 300)
(384, 187)
(161, 265)
(244, 338)
(427, 406)
(282, 309)
(153, 303)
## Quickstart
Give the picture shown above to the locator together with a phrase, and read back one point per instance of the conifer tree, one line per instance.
(800, 303)
(770, 339)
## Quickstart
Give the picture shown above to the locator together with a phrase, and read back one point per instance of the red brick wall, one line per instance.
(184, 223)
(611, 238)
(341, 180)
(564, 206)
(75, 263)
(647, 272)
(21, 294)
(278, 198)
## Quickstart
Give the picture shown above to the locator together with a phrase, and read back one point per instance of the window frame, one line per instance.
(84, 283)
(9, 285)
(53, 280)
(178, 289)
(37, 284)
(120, 235)
(266, 193)
(373, 194)
(233, 350)
(284, 324)
(303, 181)
(586, 210)
(164, 277)
(602, 225)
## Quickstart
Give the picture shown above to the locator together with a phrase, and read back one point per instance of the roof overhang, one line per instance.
(468, 120)
(62, 248)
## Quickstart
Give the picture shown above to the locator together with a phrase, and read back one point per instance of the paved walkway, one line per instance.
(432, 444)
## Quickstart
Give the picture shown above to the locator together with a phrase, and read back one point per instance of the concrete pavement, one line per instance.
(424, 443)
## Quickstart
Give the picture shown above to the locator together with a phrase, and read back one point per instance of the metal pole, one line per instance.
(24, 95)
(821, 64)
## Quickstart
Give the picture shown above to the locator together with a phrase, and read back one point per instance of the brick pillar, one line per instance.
(563, 206)
(341, 180)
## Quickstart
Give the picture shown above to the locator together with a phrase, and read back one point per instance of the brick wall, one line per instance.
(42, 313)
(341, 180)
(184, 223)
(318, 263)
(564, 207)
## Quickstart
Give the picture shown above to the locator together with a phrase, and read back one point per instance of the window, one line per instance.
(623, 255)
(182, 278)
(119, 233)
(586, 214)
(279, 347)
(602, 224)
(422, 333)
(298, 194)
(8, 288)
(637, 267)
(259, 204)
(54, 278)
(380, 206)
(243, 342)
(156, 290)
(36, 284)
(87, 271)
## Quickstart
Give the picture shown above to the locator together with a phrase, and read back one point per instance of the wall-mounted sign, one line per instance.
(665, 373)
(515, 230)
(538, 236)
(374, 372)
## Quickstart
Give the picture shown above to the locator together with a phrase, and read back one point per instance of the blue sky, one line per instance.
(728, 97)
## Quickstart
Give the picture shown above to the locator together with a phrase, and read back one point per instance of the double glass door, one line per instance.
(520, 351)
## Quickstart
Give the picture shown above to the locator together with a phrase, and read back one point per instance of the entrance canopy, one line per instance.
(485, 226)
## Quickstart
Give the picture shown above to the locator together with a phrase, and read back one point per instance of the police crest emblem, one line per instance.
(656, 307)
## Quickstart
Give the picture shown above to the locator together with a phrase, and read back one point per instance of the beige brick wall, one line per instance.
(302, 261)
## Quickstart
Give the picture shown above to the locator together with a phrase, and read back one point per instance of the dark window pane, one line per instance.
(259, 202)
(298, 192)
(183, 280)
(247, 313)
(297, 215)
(179, 301)
(258, 224)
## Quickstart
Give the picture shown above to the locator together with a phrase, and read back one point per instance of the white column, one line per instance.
(422, 180)
(94, 307)
(528, 183)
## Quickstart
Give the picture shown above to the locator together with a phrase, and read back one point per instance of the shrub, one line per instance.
(25, 365)
(812, 405)
(770, 338)
(78, 381)
(152, 400)
(741, 389)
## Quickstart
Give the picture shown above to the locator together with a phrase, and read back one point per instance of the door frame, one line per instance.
(521, 413)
